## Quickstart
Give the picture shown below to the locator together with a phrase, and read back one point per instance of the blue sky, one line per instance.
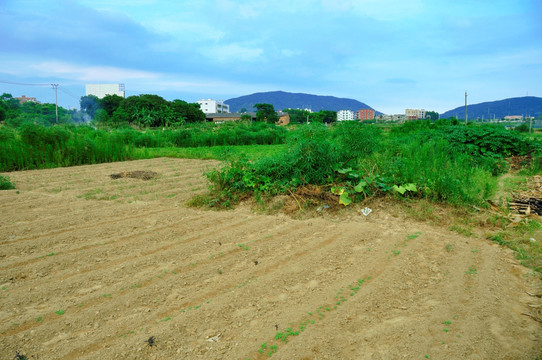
(389, 54)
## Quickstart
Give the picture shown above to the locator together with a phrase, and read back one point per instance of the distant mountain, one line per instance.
(285, 100)
(526, 106)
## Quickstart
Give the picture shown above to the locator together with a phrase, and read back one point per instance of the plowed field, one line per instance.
(93, 267)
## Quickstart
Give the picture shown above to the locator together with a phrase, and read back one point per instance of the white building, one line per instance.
(209, 106)
(101, 90)
(414, 114)
(343, 115)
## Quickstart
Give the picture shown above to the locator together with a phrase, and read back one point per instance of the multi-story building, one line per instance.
(343, 115)
(365, 114)
(415, 114)
(101, 90)
(209, 106)
(22, 99)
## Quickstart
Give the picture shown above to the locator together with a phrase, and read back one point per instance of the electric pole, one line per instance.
(465, 107)
(55, 86)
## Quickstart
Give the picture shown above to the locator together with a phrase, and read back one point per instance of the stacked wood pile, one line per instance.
(529, 202)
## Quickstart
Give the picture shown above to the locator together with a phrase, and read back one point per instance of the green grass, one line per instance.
(252, 152)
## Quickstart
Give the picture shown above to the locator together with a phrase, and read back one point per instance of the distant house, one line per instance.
(210, 106)
(365, 114)
(284, 117)
(513, 117)
(344, 115)
(22, 99)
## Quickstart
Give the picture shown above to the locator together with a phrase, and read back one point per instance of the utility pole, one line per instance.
(55, 86)
(465, 107)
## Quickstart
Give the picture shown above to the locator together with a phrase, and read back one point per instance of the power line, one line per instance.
(68, 93)
(24, 84)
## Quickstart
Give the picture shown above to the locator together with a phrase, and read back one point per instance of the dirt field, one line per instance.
(92, 267)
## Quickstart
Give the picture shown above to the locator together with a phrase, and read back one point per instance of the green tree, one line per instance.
(266, 113)
(89, 104)
(298, 116)
(433, 115)
(189, 112)
(323, 116)
(110, 103)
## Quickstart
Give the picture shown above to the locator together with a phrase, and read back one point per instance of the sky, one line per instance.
(389, 54)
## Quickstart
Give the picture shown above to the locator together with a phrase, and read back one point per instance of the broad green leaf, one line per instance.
(345, 199)
(401, 190)
(344, 171)
(360, 187)
(411, 187)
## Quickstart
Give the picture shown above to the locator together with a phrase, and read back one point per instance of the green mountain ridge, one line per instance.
(524, 106)
(285, 100)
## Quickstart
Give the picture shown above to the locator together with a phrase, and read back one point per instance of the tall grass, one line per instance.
(438, 174)
(35, 147)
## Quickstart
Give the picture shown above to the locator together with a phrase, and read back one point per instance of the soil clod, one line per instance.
(150, 341)
(138, 174)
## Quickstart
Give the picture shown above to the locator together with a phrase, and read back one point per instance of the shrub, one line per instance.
(5, 183)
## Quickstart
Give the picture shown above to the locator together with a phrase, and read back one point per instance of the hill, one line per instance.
(526, 106)
(284, 100)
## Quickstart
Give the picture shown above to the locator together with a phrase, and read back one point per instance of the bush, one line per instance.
(5, 183)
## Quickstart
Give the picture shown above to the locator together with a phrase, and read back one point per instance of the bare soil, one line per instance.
(98, 268)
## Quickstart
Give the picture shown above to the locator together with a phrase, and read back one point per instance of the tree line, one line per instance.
(143, 111)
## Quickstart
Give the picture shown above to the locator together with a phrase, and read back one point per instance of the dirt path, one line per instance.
(92, 267)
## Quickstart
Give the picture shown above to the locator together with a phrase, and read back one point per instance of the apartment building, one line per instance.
(415, 114)
(210, 106)
(344, 115)
(101, 90)
(365, 114)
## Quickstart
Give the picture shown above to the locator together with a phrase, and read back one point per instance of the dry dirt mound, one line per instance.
(95, 268)
(136, 174)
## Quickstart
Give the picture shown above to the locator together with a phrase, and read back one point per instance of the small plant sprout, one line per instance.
(273, 349)
(60, 312)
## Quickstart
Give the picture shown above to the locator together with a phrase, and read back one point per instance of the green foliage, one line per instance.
(35, 146)
(298, 116)
(455, 164)
(488, 141)
(432, 115)
(5, 183)
(89, 104)
(524, 127)
(266, 113)
(323, 116)
(143, 111)
(357, 139)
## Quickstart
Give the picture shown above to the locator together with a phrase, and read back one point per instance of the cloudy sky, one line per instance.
(389, 54)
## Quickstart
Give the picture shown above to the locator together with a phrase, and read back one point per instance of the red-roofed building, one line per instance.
(24, 99)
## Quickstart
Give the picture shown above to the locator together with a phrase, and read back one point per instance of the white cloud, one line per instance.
(232, 53)
(382, 10)
(190, 31)
(89, 73)
(290, 52)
